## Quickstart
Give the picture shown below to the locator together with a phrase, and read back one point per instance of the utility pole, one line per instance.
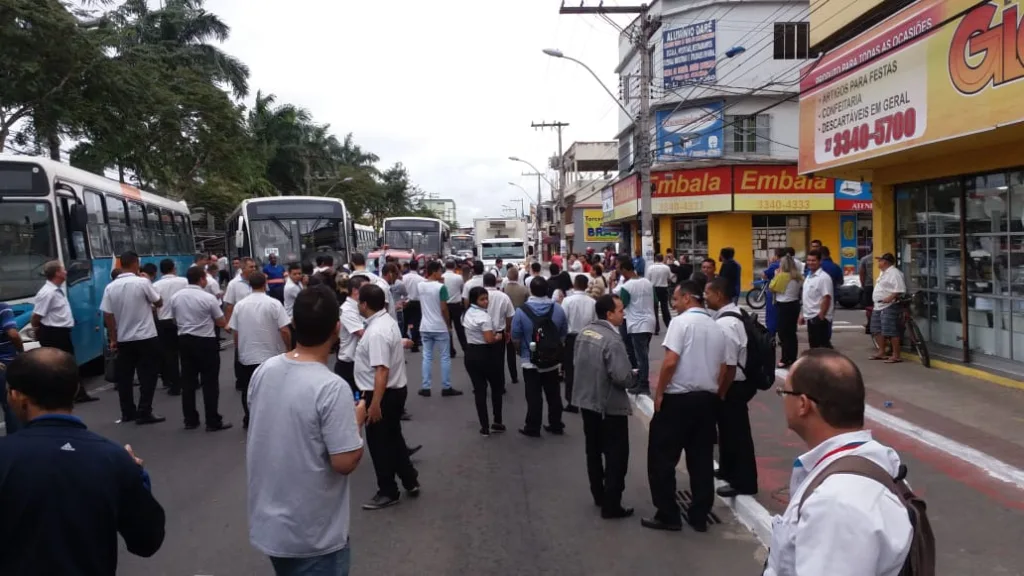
(641, 37)
(536, 221)
(560, 204)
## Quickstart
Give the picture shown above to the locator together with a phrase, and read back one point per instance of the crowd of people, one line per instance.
(586, 327)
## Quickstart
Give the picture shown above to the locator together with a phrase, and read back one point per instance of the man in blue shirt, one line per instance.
(540, 382)
(832, 269)
(10, 346)
(66, 493)
(275, 278)
(639, 264)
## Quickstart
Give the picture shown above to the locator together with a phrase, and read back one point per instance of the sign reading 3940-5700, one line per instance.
(933, 71)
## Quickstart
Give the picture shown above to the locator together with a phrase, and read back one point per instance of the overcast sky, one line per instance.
(448, 88)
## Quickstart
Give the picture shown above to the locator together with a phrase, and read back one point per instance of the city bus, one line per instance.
(463, 245)
(52, 211)
(366, 238)
(294, 228)
(427, 236)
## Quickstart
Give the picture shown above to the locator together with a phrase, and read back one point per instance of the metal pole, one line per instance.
(644, 139)
(561, 198)
(540, 236)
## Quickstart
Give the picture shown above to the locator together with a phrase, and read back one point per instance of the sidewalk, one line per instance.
(962, 440)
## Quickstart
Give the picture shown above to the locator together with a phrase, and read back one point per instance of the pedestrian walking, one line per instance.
(196, 313)
(260, 326)
(167, 286)
(453, 282)
(600, 386)
(736, 462)
(786, 286)
(637, 294)
(579, 312)
(380, 376)
(501, 309)
(10, 346)
(848, 502)
(817, 303)
(659, 274)
(539, 329)
(66, 492)
(413, 310)
(52, 317)
(685, 400)
(292, 287)
(127, 307)
(434, 329)
(235, 292)
(304, 443)
(887, 313)
(483, 372)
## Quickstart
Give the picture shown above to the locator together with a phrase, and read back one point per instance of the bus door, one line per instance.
(80, 286)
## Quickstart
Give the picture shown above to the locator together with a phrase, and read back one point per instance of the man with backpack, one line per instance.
(736, 462)
(539, 329)
(850, 511)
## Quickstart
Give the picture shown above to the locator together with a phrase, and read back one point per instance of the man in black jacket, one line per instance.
(730, 270)
(66, 492)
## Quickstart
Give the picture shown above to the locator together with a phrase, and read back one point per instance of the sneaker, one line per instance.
(380, 501)
(425, 392)
(451, 392)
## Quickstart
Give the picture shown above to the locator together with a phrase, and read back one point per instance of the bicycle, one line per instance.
(757, 297)
(910, 332)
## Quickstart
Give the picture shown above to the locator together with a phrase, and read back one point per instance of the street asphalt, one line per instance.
(501, 505)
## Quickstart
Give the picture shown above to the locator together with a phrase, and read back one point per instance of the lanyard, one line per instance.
(844, 448)
(697, 311)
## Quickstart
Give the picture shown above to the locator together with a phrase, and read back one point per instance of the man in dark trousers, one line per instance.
(167, 286)
(602, 376)
(66, 493)
(52, 318)
(730, 270)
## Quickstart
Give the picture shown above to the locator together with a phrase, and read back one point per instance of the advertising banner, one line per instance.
(848, 244)
(688, 55)
(626, 197)
(699, 190)
(607, 201)
(596, 231)
(936, 70)
(690, 132)
(853, 196)
(780, 189)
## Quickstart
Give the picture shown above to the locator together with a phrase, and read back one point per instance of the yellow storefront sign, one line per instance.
(934, 71)
(595, 230)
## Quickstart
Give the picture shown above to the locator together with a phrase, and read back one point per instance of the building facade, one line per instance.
(923, 100)
(443, 208)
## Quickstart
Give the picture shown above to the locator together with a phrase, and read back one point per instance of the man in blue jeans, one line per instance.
(435, 325)
(10, 346)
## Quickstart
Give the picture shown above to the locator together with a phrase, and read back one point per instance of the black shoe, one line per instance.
(497, 427)
(415, 349)
(555, 431)
(413, 492)
(451, 392)
(571, 409)
(453, 354)
(719, 475)
(730, 492)
(380, 501)
(149, 419)
(83, 398)
(191, 425)
(174, 391)
(425, 392)
(697, 525)
(654, 524)
(245, 423)
(415, 449)
(126, 419)
(616, 514)
(515, 380)
(405, 417)
(529, 433)
(485, 432)
(218, 427)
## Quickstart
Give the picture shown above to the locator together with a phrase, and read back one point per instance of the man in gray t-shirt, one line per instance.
(304, 440)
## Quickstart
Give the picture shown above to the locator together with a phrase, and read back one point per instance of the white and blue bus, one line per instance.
(295, 228)
(421, 236)
(52, 211)
(366, 238)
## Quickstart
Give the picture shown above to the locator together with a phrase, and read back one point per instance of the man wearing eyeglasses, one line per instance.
(841, 520)
(685, 402)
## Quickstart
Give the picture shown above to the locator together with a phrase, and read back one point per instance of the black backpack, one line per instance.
(549, 349)
(760, 367)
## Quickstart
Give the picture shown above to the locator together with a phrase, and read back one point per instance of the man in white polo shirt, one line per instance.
(412, 314)
(127, 307)
(817, 304)
(352, 326)
(660, 274)
(196, 313)
(685, 401)
(237, 289)
(454, 282)
(435, 328)
(501, 311)
(52, 317)
(359, 265)
(167, 286)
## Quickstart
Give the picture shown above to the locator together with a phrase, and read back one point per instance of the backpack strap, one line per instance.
(739, 317)
(855, 465)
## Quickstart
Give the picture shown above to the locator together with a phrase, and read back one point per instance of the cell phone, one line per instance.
(358, 395)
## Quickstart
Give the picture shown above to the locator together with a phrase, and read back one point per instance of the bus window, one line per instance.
(99, 232)
(170, 232)
(120, 234)
(76, 258)
(186, 234)
(156, 237)
(137, 221)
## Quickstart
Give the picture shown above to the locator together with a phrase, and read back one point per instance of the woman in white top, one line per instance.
(480, 364)
(786, 286)
(598, 285)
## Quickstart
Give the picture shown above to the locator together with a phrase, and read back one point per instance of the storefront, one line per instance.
(926, 110)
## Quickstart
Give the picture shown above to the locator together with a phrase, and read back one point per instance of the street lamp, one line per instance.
(524, 191)
(342, 181)
(556, 53)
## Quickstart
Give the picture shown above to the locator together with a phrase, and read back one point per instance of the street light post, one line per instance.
(333, 186)
(540, 242)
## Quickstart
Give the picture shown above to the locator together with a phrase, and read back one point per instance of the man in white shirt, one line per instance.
(380, 376)
(501, 311)
(302, 448)
(260, 326)
(167, 286)
(659, 274)
(817, 304)
(127, 308)
(736, 461)
(534, 273)
(836, 524)
(52, 317)
(579, 311)
(412, 313)
(196, 313)
(324, 262)
(292, 286)
(887, 313)
(686, 397)
(359, 264)
(637, 295)
(237, 289)
(476, 280)
(435, 328)
(352, 326)
(454, 282)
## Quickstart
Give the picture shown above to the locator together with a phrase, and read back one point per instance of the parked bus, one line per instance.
(366, 238)
(51, 211)
(295, 228)
(420, 235)
(463, 245)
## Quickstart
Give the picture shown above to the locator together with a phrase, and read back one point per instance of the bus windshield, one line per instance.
(26, 243)
(462, 244)
(295, 239)
(505, 250)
